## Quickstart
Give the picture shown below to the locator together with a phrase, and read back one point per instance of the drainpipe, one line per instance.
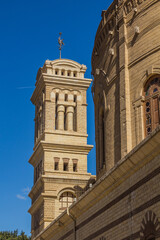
(74, 221)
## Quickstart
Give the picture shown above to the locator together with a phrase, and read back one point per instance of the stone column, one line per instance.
(60, 112)
(69, 118)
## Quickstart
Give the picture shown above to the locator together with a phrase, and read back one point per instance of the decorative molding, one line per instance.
(130, 5)
(152, 70)
(150, 226)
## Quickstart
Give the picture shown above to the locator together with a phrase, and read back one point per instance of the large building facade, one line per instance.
(124, 203)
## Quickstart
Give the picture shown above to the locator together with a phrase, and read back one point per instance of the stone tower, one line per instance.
(60, 150)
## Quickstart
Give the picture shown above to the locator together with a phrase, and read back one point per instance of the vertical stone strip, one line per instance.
(139, 125)
(82, 113)
(49, 107)
(125, 111)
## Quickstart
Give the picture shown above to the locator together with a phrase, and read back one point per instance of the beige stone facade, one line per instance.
(60, 151)
(124, 203)
(126, 54)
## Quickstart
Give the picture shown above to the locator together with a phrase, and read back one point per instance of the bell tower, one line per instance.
(60, 147)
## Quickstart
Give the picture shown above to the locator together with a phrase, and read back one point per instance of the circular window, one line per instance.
(147, 104)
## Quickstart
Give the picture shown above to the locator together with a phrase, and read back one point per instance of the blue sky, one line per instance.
(29, 33)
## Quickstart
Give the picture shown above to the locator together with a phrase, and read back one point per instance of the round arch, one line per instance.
(149, 73)
(66, 198)
(71, 190)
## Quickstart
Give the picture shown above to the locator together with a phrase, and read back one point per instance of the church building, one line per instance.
(123, 201)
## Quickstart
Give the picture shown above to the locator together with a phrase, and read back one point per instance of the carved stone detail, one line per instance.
(150, 226)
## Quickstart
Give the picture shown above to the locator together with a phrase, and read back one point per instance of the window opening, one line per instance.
(65, 166)
(38, 171)
(74, 167)
(152, 106)
(56, 112)
(75, 119)
(66, 199)
(56, 166)
(75, 98)
(65, 118)
(155, 90)
(56, 97)
(66, 97)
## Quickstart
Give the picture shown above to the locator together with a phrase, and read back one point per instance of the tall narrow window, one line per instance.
(66, 97)
(74, 167)
(56, 163)
(75, 119)
(75, 98)
(56, 112)
(152, 106)
(75, 164)
(101, 139)
(38, 171)
(75, 114)
(56, 166)
(65, 125)
(65, 164)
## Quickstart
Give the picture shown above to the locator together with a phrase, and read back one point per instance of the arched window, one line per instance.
(152, 104)
(66, 199)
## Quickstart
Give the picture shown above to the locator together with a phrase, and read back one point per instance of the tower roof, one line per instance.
(50, 67)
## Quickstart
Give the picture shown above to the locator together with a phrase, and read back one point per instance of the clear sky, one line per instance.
(29, 32)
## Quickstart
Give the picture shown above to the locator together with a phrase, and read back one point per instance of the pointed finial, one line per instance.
(61, 44)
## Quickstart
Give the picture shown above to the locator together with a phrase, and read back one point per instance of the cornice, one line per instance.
(65, 81)
(83, 149)
(121, 12)
(37, 150)
(143, 56)
(38, 90)
(55, 147)
(35, 187)
(68, 176)
(66, 133)
(36, 204)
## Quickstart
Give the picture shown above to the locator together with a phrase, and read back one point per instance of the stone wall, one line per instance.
(126, 53)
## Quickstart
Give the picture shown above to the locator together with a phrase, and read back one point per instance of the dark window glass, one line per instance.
(74, 167)
(56, 166)
(65, 166)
